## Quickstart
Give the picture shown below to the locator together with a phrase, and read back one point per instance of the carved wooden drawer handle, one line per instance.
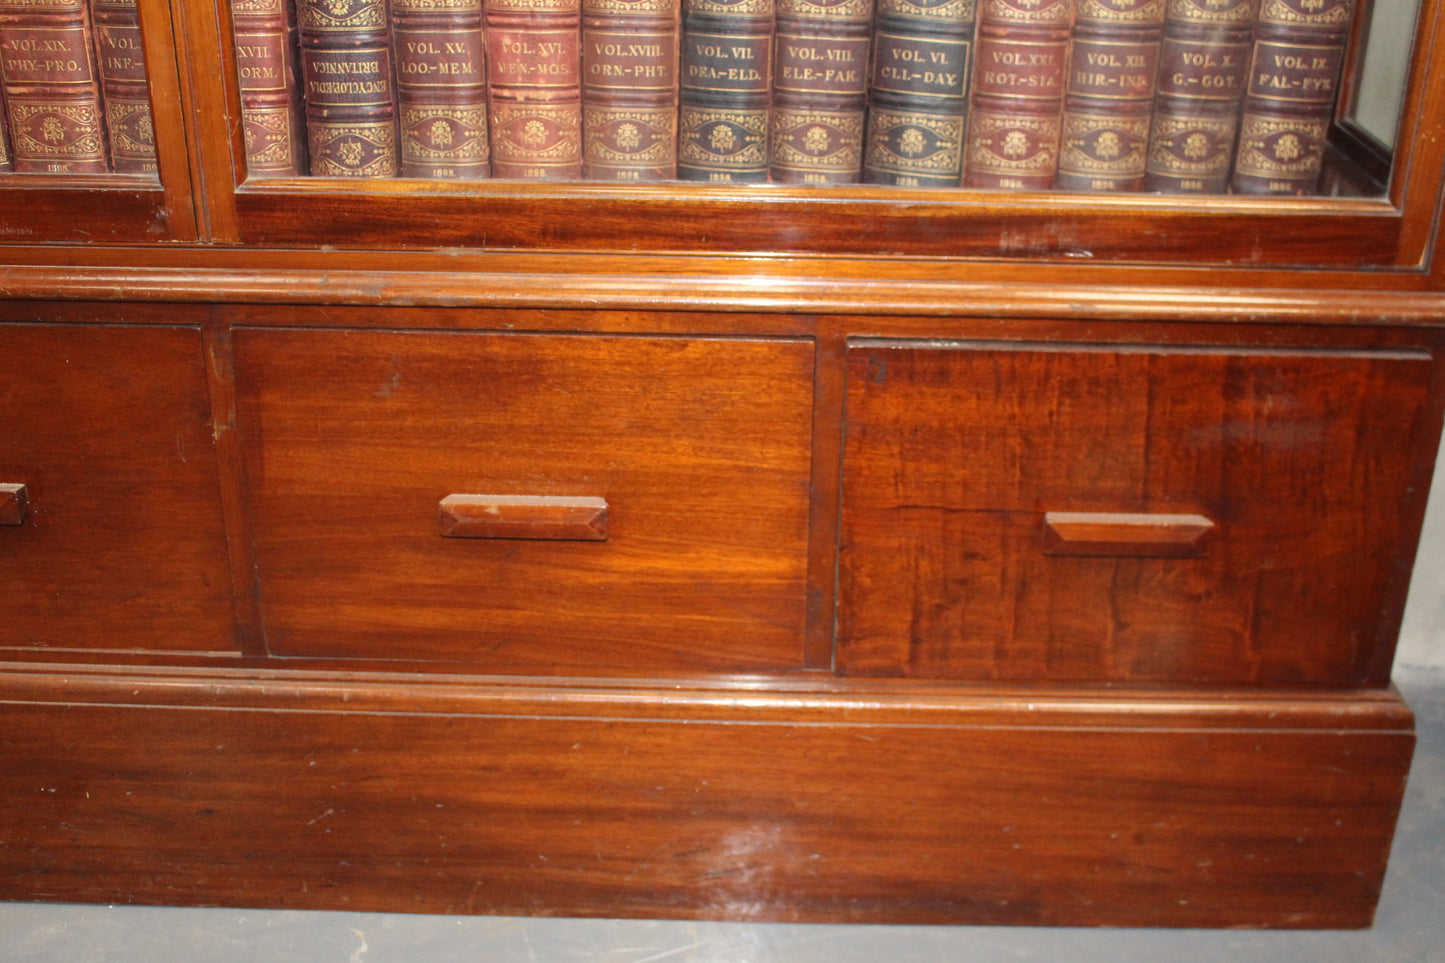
(1126, 535)
(13, 501)
(524, 516)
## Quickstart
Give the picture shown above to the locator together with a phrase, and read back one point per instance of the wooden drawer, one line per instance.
(1148, 514)
(119, 542)
(699, 449)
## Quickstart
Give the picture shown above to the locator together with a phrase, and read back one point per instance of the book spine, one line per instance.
(918, 96)
(534, 88)
(350, 93)
(820, 89)
(441, 88)
(1015, 119)
(120, 61)
(6, 163)
(271, 114)
(629, 89)
(1109, 94)
(1299, 47)
(725, 91)
(51, 87)
(1203, 65)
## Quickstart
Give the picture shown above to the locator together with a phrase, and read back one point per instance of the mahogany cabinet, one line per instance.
(846, 553)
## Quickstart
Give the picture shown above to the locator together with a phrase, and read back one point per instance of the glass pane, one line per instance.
(1384, 63)
(74, 88)
(1199, 97)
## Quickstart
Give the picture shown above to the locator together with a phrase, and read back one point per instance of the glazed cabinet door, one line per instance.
(1104, 513)
(545, 504)
(94, 124)
(415, 126)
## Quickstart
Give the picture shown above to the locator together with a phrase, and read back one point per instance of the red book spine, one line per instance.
(820, 88)
(725, 91)
(534, 88)
(121, 63)
(1109, 94)
(52, 89)
(6, 164)
(1203, 66)
(1299, 47)
(629, 89)
(271, 113)
(441, 84)
(1015, 119)
(350, 94)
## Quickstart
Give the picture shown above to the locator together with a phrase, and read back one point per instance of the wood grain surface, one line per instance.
(956, 453)
(698, 446)
(1037, 811)
(122, 546)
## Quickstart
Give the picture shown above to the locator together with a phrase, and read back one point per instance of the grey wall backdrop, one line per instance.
(1422, 638)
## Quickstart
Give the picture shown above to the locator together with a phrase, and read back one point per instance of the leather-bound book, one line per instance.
(52, 88)
(1203, 65)
(534, 88)
(918, 97)
(1294, 76)
(629, 90)
(6, 164)
(271, 116)
(725, 87)
(820, 91)
(120, 60)
(350, 92)
(1109, 94)
(441, 88)
(1016, 113)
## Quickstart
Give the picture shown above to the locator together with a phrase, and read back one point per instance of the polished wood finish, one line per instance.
(698, 446)
(14, 499)
(868, 221)
(956, 452)
(968, 557)
(568, 518)
(123, 545)
(925, 807)
(235, 499)
(330, 421)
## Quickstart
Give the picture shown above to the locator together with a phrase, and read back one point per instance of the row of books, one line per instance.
(73, 94)
(1180, 96)
(1199, 96)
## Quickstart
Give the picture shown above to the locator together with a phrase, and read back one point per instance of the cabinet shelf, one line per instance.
(885, 222)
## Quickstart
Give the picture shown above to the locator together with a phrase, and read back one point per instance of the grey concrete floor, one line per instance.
(1410, 924)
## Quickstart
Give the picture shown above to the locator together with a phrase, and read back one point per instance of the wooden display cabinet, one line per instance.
(846, 553)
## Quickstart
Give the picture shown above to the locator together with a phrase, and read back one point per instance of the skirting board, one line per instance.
(804, 801)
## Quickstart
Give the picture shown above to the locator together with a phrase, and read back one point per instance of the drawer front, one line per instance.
(693, 455)
(1151, 514)
(113, 537)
